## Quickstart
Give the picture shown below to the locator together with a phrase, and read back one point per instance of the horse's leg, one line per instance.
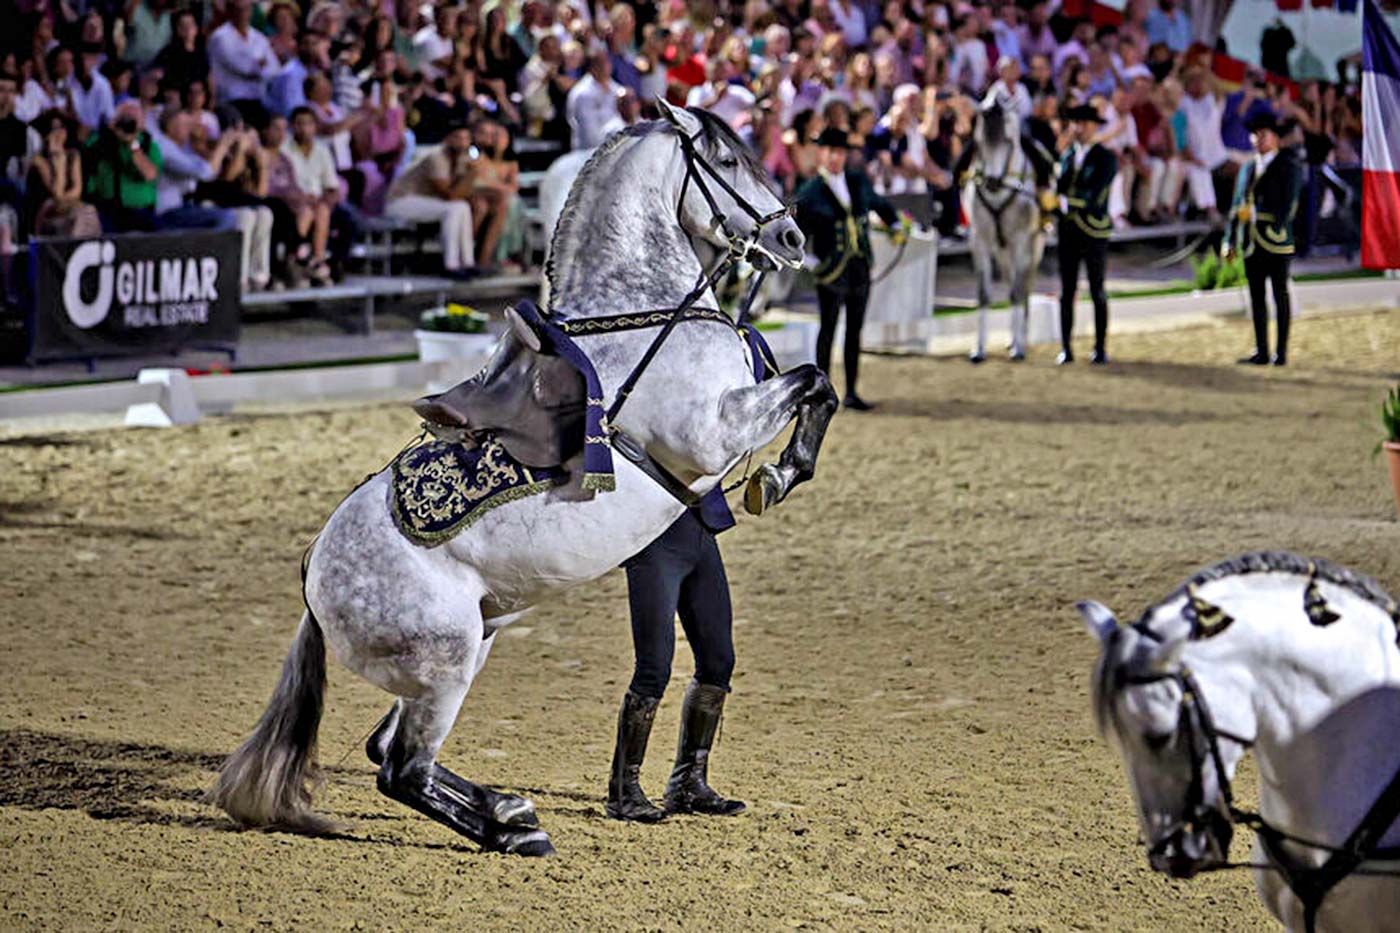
(1020, 311)
(982, 265)
(754, 415)
(505, 809)
(409, 775)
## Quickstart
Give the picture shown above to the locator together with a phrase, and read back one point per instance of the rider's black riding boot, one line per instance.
(687, 791)
(625, 798)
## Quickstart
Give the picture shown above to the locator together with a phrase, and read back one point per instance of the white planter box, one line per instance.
(794, 343)
(461, 354)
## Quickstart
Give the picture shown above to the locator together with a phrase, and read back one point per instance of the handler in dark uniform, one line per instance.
(680, 571)
(833, 210)
(1086, 173)
(1260, 229)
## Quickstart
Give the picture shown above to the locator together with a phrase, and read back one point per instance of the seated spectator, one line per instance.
(182, 173)
(184, 60)
(1169, 25)
(380, 143)
(1009, 88)
(721, 95)
(499, 226)
(287, 90)
(1242, 107)
(90, 95)
(333, 125)
(17, 141)
(124, 161)
(1203, 156)
(546, 90)
(438, 189)
(149, 28)
(242, 62)
(54, 189)
(207, 129)
(592, 103)
(312, 190)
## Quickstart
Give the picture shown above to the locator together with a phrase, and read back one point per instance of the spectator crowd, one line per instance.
(293, 124)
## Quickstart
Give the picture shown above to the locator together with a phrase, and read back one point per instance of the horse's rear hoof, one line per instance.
(531, 844)
(974, 357)
(515, 811)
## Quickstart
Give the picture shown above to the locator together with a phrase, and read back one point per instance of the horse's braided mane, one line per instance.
(715, 130)
(1286, 562)
(568, 214)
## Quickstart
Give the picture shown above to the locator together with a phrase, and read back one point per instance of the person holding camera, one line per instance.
(1260, 229)
(125, 162)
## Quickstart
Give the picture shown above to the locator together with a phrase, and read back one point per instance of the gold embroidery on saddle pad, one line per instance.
(440, 488)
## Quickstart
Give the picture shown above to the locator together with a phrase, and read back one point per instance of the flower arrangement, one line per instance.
(454, 319)
(1212, 271)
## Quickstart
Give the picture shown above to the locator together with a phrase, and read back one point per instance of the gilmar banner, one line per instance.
(134, 294)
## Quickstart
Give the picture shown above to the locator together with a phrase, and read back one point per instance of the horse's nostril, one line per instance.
(792, 239)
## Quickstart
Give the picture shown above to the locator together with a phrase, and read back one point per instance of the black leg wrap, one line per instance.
(689, 790)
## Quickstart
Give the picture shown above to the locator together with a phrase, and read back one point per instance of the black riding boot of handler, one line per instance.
(625, 798)
(687, 791)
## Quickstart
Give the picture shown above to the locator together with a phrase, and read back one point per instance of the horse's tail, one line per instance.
(267, 781)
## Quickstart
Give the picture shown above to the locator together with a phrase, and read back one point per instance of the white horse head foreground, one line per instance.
(1298, 661)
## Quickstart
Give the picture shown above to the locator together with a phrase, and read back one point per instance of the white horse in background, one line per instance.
(1298, 661)
(1005, 220)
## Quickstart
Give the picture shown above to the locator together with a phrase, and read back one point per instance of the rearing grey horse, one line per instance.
(1005, 220)
(419, 621)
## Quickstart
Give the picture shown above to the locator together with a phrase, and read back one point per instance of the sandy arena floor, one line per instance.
(909, 722)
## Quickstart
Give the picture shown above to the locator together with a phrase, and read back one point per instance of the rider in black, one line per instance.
(681, 571)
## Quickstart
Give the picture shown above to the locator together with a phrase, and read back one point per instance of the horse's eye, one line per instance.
(729, 162)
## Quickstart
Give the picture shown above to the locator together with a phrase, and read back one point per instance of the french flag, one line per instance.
(1380, 142)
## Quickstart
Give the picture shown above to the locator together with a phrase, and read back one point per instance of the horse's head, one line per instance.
(724, 182)
(1179, 762)
(997, 122)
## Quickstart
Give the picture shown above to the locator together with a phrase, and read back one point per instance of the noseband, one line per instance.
(696, 168)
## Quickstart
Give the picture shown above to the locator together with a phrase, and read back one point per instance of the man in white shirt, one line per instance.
(971, 64)
(1009, 89)
(241, 61)
(1204, 153)
(437, 189)
(726, 101)
(313, 168)
(851, 19)
(434, 43)
(592, 103)
(90, 94)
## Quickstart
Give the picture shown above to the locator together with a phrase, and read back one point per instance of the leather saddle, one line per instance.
(530, 399)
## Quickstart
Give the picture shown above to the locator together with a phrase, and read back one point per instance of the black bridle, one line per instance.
(1310, 884)
(737, 247)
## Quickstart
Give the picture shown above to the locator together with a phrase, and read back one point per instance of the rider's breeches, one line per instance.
(455, 218)
(853, 296)
(680, 572)
(1262, 269)
(1077, 247)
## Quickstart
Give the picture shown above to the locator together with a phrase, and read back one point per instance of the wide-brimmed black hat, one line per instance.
(833, 138)
(1083, 113)
(1263, 120)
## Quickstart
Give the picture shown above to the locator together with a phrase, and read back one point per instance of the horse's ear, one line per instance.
(678, 117)
(1099, 620)
(523, 331)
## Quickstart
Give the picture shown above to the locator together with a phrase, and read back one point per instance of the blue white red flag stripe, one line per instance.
(1380, 142)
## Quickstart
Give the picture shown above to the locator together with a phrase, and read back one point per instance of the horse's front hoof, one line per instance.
(764, 489)
(531, 844)
(976, 357)
(1017, 356)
